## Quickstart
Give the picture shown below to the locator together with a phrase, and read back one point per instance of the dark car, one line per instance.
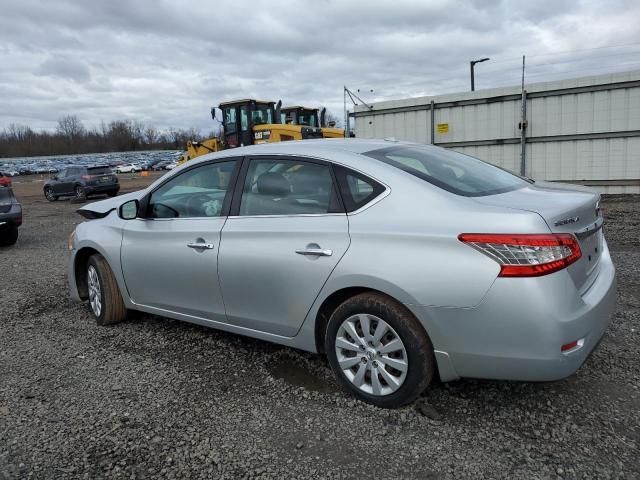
(10, 217)
(82, 181)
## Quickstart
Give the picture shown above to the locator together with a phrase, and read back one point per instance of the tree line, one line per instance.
(71, 137)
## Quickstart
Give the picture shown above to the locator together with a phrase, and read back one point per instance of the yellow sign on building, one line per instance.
(443, 128)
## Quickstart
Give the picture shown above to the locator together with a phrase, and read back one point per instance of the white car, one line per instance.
(130, 168)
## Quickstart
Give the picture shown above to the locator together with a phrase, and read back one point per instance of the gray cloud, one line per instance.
(167, 62)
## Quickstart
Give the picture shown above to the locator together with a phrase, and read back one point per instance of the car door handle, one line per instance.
(203, 246)
(321, 252)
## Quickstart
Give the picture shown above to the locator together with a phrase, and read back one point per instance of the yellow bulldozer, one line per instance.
(297, 115)
(249, 122)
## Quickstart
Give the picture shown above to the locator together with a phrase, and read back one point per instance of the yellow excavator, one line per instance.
(249, 122)
(297, 115)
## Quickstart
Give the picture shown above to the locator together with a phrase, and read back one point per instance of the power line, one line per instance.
(519, 58)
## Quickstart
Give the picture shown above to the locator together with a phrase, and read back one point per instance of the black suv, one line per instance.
(81, 182)
(10, 217)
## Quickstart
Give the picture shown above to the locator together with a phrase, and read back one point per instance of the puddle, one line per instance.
(293, 373)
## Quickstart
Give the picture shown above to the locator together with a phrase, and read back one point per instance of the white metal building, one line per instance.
(583, 130)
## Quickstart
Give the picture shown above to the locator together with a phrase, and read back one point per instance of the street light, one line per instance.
(472, 64)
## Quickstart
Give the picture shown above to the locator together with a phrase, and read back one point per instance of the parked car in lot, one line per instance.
(10, 217)
(82, 181)
(5, 180)
(129, 168)
(160, 166)
(399, 261)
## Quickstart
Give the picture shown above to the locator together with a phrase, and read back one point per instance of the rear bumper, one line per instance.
(517, 331)
(111, 187)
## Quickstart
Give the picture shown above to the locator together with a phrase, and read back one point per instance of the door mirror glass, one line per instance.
(129, 210)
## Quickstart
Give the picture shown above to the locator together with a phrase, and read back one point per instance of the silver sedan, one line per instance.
(400, 262)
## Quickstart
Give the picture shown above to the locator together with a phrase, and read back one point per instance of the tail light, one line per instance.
(526, 255)
(86, 177)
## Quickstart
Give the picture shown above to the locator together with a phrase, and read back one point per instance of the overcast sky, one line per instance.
(166, 63)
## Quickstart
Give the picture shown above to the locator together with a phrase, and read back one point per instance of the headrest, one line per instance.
(273, 183)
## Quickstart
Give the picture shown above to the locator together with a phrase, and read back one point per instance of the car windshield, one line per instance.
(450, 170)
(99, 170)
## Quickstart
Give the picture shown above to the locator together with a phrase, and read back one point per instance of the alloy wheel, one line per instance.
(371, 354)
(79, 192)
(48, 193)
(95, 291)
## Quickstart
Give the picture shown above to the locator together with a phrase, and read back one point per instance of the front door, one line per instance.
(170, 258)
(285, 235)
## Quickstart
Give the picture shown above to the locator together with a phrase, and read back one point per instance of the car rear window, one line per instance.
(99, 171)
(5, 193)
(450, 170)
(356, 189)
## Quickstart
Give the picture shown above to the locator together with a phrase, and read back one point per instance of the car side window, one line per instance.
(288, 187)
(62, 173)
(356, 189)
(198, 192)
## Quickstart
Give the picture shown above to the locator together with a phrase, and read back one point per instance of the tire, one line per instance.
(111, 308)
(414, 353)
(112, 194)
(49, 195)
(79, 193)
(8, 236)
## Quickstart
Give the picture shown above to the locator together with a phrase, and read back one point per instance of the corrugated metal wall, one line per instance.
(583, 130)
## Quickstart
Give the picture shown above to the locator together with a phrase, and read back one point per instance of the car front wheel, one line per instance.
(104, 295)
(49, 195)
(379, 351)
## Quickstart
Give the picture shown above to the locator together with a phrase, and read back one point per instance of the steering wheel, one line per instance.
(195, 203)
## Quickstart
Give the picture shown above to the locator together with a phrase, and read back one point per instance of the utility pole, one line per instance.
(472, 64)
(523, 126)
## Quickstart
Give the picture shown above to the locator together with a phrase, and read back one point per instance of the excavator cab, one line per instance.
(300, 116)
(311, 117)
(243, 119)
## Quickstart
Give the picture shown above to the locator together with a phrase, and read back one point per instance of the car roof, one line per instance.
(351, 145)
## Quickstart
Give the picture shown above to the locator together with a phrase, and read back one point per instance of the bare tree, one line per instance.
(330, 117)
(150, 135)
(70, 126)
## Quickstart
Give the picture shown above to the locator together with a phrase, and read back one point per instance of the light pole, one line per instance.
(472, 63)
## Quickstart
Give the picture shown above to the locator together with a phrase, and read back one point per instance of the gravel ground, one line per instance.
(156, 398)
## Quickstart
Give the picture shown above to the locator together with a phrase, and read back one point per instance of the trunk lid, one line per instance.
(566, 209)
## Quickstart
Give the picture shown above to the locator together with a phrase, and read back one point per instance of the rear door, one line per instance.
(64, 185)
(286, 233)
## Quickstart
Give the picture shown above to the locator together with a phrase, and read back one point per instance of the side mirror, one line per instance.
(213, 113)
(129, 210)
(55, 177)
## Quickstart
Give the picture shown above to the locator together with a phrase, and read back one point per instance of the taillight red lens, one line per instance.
(526, 255)
(86, 177)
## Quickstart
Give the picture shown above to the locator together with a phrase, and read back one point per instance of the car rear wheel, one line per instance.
(79, 192)
(379, 351)
(105, 300)
(49, 195)
(8, 236)
(112, 194)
